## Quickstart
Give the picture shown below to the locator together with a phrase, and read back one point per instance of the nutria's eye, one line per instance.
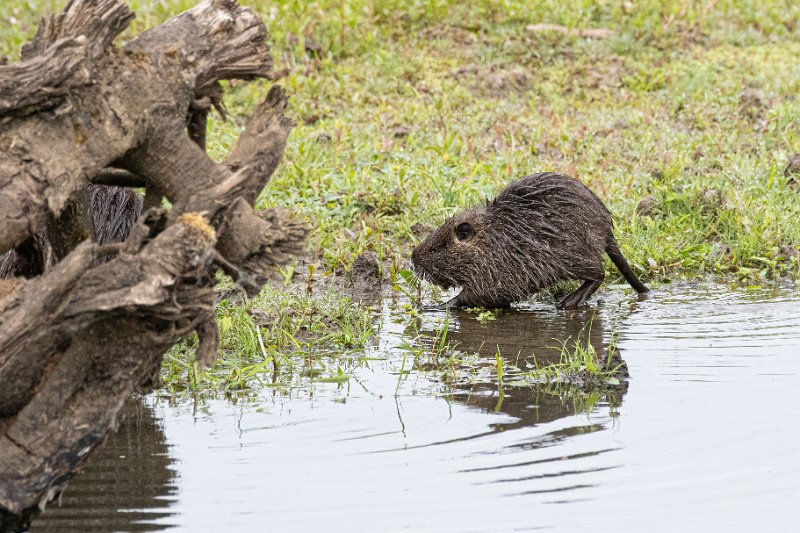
(464, 231)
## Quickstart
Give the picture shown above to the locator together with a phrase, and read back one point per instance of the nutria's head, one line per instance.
(454, 254)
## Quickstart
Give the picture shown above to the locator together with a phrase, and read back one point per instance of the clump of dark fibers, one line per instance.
(115, 210)
(539, 230)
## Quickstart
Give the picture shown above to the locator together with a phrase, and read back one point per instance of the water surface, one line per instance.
(704, 437)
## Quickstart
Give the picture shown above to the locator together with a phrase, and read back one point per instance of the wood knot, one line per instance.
(198, 222)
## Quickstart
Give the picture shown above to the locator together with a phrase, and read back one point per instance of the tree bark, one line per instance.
(89, 322)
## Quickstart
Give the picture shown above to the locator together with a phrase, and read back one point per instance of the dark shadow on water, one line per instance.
(127, 483)
(520, 336)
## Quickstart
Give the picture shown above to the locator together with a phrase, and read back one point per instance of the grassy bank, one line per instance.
(410, 111)
(414, 110)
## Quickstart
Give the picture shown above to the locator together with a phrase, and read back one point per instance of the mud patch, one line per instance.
(792, 172)
(608, 73)
(585, 33)
(421, 230)
(447, 32)
(754, 104)
(646, 206)
(493, 81)
(363, 281)
(311, 47)
(788, 252)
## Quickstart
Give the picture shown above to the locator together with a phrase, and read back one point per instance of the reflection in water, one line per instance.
(520, 334)
(125, 485)
(704, 440)
(522, 337)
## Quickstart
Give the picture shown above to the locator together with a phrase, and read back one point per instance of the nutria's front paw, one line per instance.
(435, 307)
(642, 296)
(453, 303)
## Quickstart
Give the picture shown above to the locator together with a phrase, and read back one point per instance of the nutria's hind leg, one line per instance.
(581, 294)
(466, 298)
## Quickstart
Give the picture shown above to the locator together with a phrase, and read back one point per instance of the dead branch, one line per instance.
(91, 321)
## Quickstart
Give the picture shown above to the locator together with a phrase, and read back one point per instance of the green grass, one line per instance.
(418, 109)
(283, 338)
(415, 110)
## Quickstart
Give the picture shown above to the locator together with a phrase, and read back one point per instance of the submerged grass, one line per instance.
(284, 338)
(580, 377)
(410, 111)
(579, 363)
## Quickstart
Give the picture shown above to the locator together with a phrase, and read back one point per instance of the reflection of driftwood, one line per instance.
(78, 334)
(128, 483)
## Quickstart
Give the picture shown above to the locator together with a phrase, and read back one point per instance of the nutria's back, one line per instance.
(540, 229)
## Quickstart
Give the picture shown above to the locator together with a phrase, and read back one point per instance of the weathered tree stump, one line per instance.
(84, 324)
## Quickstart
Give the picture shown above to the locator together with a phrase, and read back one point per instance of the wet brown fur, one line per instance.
(539, 230)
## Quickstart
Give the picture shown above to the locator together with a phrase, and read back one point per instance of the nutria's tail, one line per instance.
(613, 251)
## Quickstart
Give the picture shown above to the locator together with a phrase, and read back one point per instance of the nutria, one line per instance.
(540, 229)
(114, 212)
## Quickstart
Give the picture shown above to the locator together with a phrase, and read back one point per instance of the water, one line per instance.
(703, 439)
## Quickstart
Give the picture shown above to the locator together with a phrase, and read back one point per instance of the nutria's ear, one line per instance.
(464, 231)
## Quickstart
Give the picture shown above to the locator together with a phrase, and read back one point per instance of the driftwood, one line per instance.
(85, 323)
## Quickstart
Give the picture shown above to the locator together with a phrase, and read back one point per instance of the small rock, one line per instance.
(367, 267)
(311, 47)
(718, 250)
(615, 361)
(399, 131)
(712, 198)
(645, 206)
(422, 230)
(788, 251)
(792, 171)
(447, 32)
(621, 125)
(752, 104)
